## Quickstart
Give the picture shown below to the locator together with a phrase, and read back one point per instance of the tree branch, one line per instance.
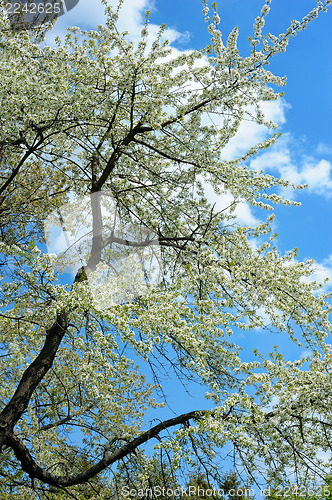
(34, 470)
(32, 377)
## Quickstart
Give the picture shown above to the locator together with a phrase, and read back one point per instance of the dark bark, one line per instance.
(35, 471)
(32, 376)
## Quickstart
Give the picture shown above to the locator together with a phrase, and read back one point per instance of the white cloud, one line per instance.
(85, 14)
(323, 271)
(307, 353)
(273, 159)
(248, 135)
(88, 15)
(251, 133)
(324, 149)
(244, 215)
(224, 201)
(316, 175)
(283, 158)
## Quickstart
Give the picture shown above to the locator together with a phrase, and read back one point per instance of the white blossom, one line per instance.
(97, 115)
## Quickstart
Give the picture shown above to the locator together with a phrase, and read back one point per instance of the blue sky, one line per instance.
(304, 115)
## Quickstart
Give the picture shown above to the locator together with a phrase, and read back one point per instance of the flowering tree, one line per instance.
(97, 116)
